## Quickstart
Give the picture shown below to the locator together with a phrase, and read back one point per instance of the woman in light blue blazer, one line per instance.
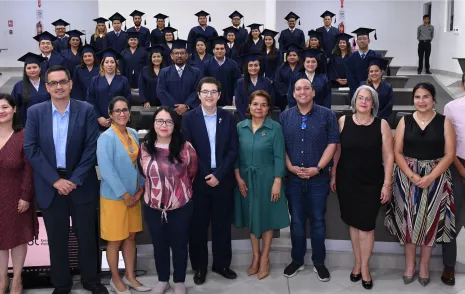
(120, 190)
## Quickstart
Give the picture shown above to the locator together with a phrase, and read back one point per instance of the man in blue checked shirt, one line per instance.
(311, 135)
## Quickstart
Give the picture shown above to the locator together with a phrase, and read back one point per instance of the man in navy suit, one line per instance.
(144, 33)
(328, 32)
(212, 132)
(60, 143)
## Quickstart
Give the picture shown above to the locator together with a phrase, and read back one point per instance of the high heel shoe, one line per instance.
(264, 270)
(367, 284)
(409, 279)
(423, 281)
(114, 289)
(138, 289)
(253, 270)
(355, 277)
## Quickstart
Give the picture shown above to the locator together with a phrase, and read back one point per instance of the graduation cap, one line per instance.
(237, 14)
(315, 34)
(109, 52)
(29, 58)
(292, 47)
(343, 37)
(156, 49)
(87, 49)
(45, 36)
(269, 33)
(328, 13)
(230, 29)
(180, 44)
(74, 34)
(218, 40)
(203, 13)
(162, 16)
(254, 26)
(201, 37)
(117, 16)
(251, 56)
(380, 62)
(138, 13)
(100, 20)
(60, 22)
(314, 53)
(364, 31)
(171, 30)
(133, 35)
(292, 15)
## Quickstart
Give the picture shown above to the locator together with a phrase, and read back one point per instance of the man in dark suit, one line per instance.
(328, 32)
(60, 143)
(212, 132)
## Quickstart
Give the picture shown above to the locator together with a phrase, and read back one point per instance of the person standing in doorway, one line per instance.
(425, 34)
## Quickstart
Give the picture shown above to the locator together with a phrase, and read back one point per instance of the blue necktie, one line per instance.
(363, 56)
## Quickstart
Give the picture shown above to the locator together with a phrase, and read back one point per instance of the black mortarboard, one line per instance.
(74, 34)
(86, 49)
(118, 16)
(29, 58)
(203, 13)
(133, 35)
(218, 40)
(162, 16)
(375, 60)
(328, 13)
(230, 29)
(364, 31)
(201, 37)
(311, 52)
(60, 22)
(251, 56)
(267, 32)
(109, 52)
(292, 15)
(100, 20)
(292, 47)
(45, 36)
(343, 37)
(254, 26)
(315, 34)
(156, 49)
(179, 44)
(238, 14)
(138, 13)
(169, 29)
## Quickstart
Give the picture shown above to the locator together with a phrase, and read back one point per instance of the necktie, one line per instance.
(180, 72)
(363, 56)
(137, 29)
(117, 35)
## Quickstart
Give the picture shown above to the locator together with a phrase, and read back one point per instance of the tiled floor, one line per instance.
(385, 281)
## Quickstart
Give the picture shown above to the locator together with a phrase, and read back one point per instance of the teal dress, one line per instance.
(261, 158)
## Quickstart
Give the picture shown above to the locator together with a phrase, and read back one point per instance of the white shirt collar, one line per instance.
(182, 67)
(205, 114)
(224, 59)
(256, 41)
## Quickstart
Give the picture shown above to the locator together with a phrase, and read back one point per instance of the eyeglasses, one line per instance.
(178, 53)
(62, 83)
(303, 126)
(160, 122)
(209, 93)
(364, 99)
(362, 39)
(119, 111)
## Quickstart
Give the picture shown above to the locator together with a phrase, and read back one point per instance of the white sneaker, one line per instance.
(180, 288)
(138, 289)
(161, 288)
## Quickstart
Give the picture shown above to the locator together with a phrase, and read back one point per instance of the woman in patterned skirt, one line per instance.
(422, 209)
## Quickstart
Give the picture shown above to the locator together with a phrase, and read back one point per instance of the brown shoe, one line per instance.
(253, 268)
(264, 269)
(448, 276)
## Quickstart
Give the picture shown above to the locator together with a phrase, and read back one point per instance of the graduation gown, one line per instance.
(71, 60)
(98, 44)
(287, 37)
(35, 96)
(357, 69)
(337, 69)
(234, 53)
(227, 74)
(132, 64)
(242, 96)
(241, 35)
(252, 47)
(81, 81)
(195, 61)
(60, 44)
(281, 81)
(329, 39)
(209, 32)
(144, 36)
(167, 61)
(54, 59)
(320, 84)
(100, 92)
(148, 87)
(386, 99)
(270, 64)
(173, 89)
(117, 43)
(157, 37)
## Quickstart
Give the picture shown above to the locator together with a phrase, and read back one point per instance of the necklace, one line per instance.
(362, 123)
(130, 144)
(424, 122)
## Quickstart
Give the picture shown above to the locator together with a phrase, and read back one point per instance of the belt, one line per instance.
(425, 41)
(62, 173)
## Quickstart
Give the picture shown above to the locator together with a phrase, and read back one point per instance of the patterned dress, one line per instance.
(415, 215)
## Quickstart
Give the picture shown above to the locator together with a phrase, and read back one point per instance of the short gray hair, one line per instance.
(374, 97)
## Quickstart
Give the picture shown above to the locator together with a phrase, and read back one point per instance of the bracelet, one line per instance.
(387, 186)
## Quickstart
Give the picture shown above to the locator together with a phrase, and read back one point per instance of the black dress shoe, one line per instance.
(61, 291)
(200, 277)
(96, 288)
(225, 272)
(419, 72)
(428, 72)
(448, 276)
(355, 278)
(367, 284)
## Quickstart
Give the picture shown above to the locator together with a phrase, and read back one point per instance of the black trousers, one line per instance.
(449, 250)
(424, 50)
(215, 206)
(56, 219)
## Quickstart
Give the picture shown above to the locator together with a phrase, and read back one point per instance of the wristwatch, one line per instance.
(187, 106)
(319, 169)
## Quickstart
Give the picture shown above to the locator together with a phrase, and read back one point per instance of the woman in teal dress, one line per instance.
(260, 203)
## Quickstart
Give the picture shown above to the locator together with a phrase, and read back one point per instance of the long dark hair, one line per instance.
(26, 83)
(69, 44)
(337, 50)
(273, 52)
(317, 70)
(150, 64)
(247, 75)
(96, 61)
(249, 41)
(177, 138)
(299, 62)
(17, 126)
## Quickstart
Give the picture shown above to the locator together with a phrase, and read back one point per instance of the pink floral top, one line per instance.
(168, 186)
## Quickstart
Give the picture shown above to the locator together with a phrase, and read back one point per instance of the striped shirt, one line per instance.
(425, 33)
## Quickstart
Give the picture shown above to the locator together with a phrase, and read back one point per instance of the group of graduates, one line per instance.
(248, 62)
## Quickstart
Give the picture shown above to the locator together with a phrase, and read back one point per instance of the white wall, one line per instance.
(23, 13)
(396, 22)
(182, 12)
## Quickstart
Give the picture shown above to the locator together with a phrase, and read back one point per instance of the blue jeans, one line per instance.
(307, 198)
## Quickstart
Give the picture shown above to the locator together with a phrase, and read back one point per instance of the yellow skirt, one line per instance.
(117, 220)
